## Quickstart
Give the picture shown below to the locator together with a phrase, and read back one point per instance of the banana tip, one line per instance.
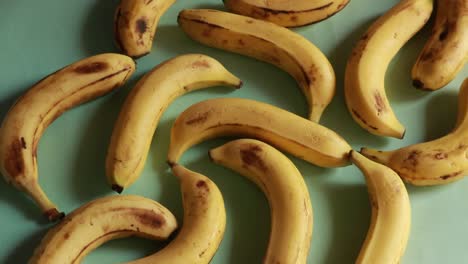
(117, 188)
(54, 215)
(241, 83)
(171, 163)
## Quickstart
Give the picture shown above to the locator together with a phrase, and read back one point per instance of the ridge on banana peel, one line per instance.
(204, 222)
(102, 220)
(293, 13)
(446, 51)
(365, 71)
(135, 25)
(45, 101)
(435, 162)
(285, 189)
(248, 118)
(390, 225)
(141, 111)
(267, 42)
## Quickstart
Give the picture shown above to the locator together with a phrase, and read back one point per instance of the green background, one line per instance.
(38, 37)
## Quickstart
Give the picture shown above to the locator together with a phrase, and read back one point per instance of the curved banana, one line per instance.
(285, 189)
(391, 213)
(267, 42)
(140, 114)
(439, 161)
(242, 117)
(365, 72)
(446, 51)
(287, 13)
(204, 222)
(102, 220)
(41, 105)
(135, 24)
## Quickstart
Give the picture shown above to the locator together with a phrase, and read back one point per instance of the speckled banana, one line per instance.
(41, 105)
(267, 42)
(391, 213)
(102, 220)
(243, 117)
(135, 24)
(285, 189)
(140, 114)
(440, 161)
(446, 51)
(204, 222)
(365, 73)
(292, 13)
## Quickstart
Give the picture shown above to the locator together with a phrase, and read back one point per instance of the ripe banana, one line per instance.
(267, 42)
(140, 114)
(242, 117)
(135, 24)
(41, 105)
(391, 213)
(365, 72)
(204, 222)
(446, 51)
(286, 191)
(440, 161)
(102, 220)
(287, 13)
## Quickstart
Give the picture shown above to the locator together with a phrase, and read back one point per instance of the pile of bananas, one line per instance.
(257, 30)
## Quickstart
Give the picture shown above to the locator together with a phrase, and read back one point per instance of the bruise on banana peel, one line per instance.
(242, 117)
(285, 189)
(135, 25)
(267, 42)
(203, 225)
(143, 107)
(102, 220)
(365, 94)
(435, 162)
(287, 13)
(446, 51)
(45, 101)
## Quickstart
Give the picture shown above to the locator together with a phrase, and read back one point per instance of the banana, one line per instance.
(102, 220)
(140, 114)
(243, 117)
(41, 105)
(439, 161)
(365, 72)
(135, 24)
(287, 13)
(267, 42)
(285, 189)
(446, 51)
(391, 213)
(204, 222)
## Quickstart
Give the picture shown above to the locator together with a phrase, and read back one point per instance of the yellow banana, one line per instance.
(391, 213)
(140, 114)
(439, 161)
(287, 13)
(135, 24)
(204, 222)
(446, 51)
(365, 73)
(286, 191)
(242, 117)
(41, 105)
(102, 220)
(267, 42)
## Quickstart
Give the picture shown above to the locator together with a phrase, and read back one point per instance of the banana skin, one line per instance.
(45, 101)
(267, 42)
(145, 104)
(285, 189)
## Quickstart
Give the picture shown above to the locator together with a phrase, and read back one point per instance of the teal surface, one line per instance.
(38, 37)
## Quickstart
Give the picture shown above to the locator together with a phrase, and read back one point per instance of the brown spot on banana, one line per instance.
(150, 219)
(14, 163)
(200, 119)
(91, 68)
(358, 116)
(250, 157)
(451, 175)
(202, 184)
(440, 156)
(379, 103)
(201, 64)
